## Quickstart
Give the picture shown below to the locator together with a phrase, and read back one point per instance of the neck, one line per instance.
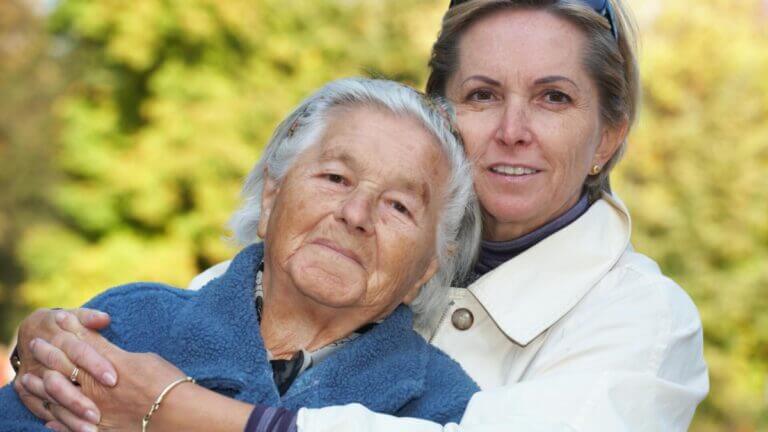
(290, 321)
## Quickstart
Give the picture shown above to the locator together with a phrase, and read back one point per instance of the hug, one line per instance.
(365, 229)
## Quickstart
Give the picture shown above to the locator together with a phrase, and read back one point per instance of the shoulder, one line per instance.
(140, 311)
(649, 320)
(144, 294)
(637, 278)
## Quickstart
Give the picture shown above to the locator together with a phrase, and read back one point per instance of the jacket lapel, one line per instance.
(524, 302)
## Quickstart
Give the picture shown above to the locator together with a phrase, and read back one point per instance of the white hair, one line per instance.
(458, 230)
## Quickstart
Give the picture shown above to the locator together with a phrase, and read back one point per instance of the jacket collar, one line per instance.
(528, 294)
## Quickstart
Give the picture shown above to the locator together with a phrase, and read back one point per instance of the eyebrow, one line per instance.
(483, 78)
(554, 78)
(333, 155)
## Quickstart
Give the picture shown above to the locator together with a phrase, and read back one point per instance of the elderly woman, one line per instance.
(312, 316)
(563, 325)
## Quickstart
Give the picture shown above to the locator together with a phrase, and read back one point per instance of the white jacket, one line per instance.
(579, 333)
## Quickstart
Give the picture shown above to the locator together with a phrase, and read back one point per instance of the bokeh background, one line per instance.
(127, 126)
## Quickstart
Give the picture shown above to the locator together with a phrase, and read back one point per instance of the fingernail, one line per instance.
(60, 317)
(102, 314)
(109, 379)
(32, 343)
(92, 417)
(25, 379)
(89, 428)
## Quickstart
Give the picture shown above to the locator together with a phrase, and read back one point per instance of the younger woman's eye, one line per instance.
(480, 95)
(558, 97)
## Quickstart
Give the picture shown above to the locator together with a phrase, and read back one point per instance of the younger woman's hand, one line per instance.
(143, 376)
(49, 324)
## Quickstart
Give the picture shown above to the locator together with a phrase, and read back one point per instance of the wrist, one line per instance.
(191, 407)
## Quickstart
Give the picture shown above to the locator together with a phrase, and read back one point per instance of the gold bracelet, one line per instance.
(159, 400)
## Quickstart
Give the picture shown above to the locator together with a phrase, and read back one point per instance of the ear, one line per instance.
(414, 291)
(268, 195)
(610, 141)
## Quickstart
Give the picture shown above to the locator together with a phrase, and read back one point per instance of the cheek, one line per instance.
(476, 132)
(400, 262)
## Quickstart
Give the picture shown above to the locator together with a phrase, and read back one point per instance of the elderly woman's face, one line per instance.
(530, 118)
(353, 222)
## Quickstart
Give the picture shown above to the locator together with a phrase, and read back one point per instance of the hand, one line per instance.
(48, 324)
(119, 408)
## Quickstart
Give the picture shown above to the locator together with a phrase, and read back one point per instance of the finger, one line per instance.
(89, 318)
(32, 402)
(58, 427)
(34, 386)
(50, 356)
(71, 421)
(70, 322)
(70, 398)
(82, 354)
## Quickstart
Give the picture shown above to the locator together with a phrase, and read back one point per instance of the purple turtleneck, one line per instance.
(495, 253)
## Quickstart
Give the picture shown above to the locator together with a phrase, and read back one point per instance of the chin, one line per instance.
(513, 212)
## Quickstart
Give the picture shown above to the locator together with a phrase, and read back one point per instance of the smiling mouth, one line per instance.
(338, 249)
(513, 170)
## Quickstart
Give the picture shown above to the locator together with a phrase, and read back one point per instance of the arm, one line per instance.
(122, 407)
(629, 358)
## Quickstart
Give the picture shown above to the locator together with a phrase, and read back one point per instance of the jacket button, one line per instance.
(462, 319)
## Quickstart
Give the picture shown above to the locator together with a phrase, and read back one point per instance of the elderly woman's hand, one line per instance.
(48, 324)
(122, 407)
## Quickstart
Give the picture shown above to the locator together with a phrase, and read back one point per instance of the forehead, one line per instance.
(392, 147)
(522, 43)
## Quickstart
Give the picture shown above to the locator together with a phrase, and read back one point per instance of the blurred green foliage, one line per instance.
(126, 129)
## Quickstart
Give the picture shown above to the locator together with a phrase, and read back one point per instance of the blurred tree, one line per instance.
(174, 100)
(695, 179)
(29, 78)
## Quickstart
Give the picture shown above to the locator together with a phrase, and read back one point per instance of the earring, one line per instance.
(595, 170)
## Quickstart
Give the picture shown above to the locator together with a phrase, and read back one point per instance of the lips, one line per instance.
(338, 249)
(513, 170)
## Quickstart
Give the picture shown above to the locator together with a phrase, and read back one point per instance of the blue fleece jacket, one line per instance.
(213, 335)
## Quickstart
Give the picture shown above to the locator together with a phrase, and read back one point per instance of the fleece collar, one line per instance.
(216, 339)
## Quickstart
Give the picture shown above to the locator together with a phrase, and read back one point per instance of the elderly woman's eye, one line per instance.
(400, 208)
(335, 178)
(557, 97)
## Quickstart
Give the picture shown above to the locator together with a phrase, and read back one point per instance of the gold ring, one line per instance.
(74, 374)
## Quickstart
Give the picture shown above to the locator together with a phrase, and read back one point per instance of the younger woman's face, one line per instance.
(530, 117)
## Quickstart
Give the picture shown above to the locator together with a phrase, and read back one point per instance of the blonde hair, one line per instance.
(611, 63)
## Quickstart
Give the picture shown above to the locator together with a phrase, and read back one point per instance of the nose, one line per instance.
(514, 127)
(357, 212)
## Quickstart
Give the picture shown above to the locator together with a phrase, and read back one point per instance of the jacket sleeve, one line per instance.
(627, 360)
(447, 391)
(14, 416)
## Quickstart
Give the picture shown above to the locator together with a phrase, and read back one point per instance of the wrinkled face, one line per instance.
(353, 222)
(529, 115)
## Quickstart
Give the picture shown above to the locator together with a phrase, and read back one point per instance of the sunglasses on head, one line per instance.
(602, 7)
